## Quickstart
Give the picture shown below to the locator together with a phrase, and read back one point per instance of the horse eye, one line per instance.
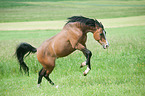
(101, 34)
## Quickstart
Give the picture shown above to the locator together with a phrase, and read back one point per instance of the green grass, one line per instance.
(119, 70)
(33, 10)
(44, 25)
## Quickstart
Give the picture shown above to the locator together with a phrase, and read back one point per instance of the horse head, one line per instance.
(100, 36)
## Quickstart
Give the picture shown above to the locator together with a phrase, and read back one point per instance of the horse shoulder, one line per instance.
(74, 35)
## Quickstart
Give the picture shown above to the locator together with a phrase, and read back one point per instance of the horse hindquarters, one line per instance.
(48, 64)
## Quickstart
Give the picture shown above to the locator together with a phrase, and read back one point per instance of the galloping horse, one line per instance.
(72, 37)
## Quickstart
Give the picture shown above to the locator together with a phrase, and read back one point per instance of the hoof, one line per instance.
(84, 74)
(81, 66)
(86, 71)
(38, 85)
(56, 86)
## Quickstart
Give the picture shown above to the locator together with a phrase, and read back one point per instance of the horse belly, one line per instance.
(64, 49)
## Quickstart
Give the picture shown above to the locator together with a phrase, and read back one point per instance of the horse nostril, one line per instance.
(107, 46)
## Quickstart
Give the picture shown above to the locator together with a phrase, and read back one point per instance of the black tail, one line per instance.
(21, 50)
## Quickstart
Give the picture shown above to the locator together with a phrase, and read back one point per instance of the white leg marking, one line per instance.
(86, 71)
(83, 64)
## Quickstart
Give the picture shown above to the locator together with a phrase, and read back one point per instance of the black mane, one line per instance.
(84, 20)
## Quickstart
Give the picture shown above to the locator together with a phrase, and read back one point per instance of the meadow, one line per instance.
(34, 10)
(116, 71)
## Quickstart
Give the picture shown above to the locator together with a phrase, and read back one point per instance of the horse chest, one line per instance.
(83, 39)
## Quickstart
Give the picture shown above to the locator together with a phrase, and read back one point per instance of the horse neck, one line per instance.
(77, 26)
(85, 29)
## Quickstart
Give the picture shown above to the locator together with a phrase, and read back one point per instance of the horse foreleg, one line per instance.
(87, 54)
(83, 64)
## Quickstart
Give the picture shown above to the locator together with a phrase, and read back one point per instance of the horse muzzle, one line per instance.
(105, 46)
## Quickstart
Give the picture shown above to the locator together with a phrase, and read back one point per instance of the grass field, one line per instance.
(117, 71)
(34, 10)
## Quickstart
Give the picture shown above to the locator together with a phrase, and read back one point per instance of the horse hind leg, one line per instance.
(49, 80)
(41, 73)
(48, 71)
(44, 73)
(48, 66)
